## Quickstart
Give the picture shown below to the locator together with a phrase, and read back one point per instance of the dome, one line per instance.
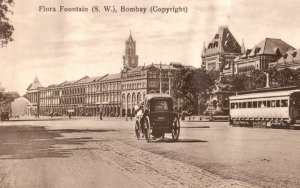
(20, 105)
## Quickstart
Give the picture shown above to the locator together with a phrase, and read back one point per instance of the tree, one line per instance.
(283, 78)
(244, 82)
(6, 29)
(193, 84)
(258, 79)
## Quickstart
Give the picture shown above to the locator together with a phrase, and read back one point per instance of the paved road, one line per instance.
(93, 153)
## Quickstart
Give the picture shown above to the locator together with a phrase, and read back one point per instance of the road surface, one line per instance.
(93, 153)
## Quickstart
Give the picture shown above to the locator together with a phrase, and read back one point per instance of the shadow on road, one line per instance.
(27, 142)
(169, 140)
(195, 127)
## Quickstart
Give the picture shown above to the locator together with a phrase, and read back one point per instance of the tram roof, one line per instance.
(266, 94)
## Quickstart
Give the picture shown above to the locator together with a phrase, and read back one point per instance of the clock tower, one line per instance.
(130, 59)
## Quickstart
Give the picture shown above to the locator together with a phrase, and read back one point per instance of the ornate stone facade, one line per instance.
(262, 55)
(221, 51)
(110, 94)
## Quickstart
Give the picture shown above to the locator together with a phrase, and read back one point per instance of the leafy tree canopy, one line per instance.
(6, 29)
(257, 79)
(193, 84)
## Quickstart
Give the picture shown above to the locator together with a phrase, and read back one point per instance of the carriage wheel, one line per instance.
(176, 129)
(147, 129)
(137, 130)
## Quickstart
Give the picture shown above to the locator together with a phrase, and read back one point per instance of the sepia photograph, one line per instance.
(149, 93)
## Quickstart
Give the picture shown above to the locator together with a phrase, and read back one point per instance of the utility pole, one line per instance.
(160, 78)
(169, 74)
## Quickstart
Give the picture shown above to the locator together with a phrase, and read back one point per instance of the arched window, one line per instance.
(139, 98)
(128, 98)
(133, 98)
(123, 98)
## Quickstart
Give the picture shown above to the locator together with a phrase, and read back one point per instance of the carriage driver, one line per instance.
(138, 111)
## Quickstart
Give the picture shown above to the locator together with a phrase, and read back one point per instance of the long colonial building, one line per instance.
(110, 94)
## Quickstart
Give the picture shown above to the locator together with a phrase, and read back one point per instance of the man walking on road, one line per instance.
(100, 115)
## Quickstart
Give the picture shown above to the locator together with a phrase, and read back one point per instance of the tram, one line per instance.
(269, 107)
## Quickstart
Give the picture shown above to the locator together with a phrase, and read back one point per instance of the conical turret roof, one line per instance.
(35, 84)
(223, 42)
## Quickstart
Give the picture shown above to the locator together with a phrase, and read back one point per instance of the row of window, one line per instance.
(79, 100)
(246, 68)
(157, 75)
(134, 85)
(260, 104)
(82, 90)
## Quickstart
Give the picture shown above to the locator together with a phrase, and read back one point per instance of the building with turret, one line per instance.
(221, 51)
(130, 59)
(33, 94)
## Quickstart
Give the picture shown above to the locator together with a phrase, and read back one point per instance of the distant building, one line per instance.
(33, 94)
(262, 55)
(221, 51)
(291, 59)
(110, 94)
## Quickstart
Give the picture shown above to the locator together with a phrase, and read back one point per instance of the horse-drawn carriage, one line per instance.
(155, 116)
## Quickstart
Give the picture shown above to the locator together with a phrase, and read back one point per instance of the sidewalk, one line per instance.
(206, 118)
(57, 118)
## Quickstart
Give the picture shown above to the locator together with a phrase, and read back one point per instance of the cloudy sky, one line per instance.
(59, 46)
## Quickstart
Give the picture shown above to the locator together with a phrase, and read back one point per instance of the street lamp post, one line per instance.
(160, 79)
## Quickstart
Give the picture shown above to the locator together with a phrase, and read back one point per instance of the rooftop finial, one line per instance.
(130, 37)
(36, 79)
(203, 49)
(228, 16)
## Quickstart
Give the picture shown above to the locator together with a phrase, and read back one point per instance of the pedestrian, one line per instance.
(101, 115)
(131, 117)
(70, 115)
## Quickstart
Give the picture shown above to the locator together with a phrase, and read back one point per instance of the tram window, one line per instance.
(268, 103)
(259, 104)
(232, 105)
(255, 104)
(236, 105)
(240, 105)
(249, 104)
(277, 103)
(273, 104)
(264, 104)
(284, 103)
(244, 105)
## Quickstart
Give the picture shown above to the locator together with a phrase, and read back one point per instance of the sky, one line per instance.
(60, 46)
